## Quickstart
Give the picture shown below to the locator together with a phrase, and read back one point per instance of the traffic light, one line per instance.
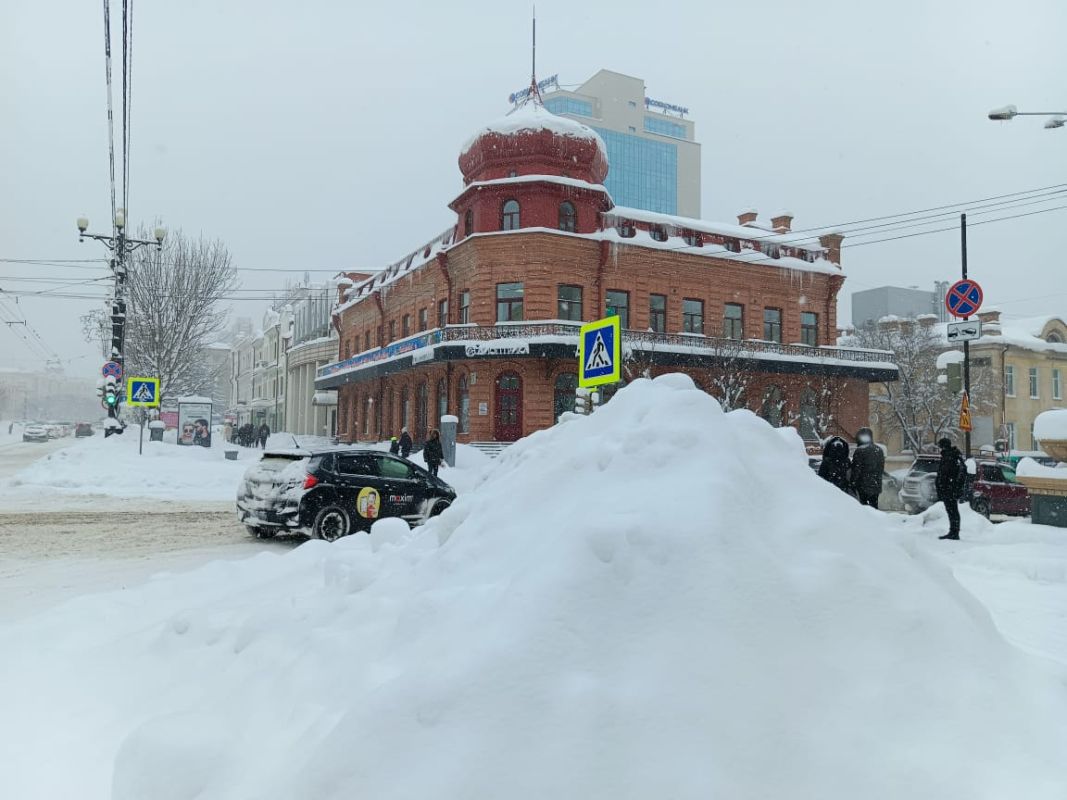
(582, 403)
(111, 394)
(955, 377)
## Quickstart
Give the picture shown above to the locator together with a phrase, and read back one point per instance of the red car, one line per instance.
(994, 490)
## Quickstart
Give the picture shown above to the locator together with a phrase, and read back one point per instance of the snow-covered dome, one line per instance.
(532, 139)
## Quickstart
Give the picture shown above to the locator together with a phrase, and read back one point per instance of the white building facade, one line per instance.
(314, 344)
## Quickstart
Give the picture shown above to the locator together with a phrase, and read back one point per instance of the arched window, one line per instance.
(509, 216)
(463, 404)
(390, 421)
(568, 217)
(405, 408)
(422, 411)
(442, 401)
(771, 408)
(809, 416)
(566, 384)
(657, 233)
(468, 222)
(1054, 337)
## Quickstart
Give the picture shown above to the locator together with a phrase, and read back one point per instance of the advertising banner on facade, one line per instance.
(194, 424)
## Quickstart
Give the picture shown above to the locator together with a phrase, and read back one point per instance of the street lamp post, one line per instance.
(1056, 119)
(120, 246)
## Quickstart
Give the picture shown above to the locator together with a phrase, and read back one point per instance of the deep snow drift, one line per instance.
(656, 601)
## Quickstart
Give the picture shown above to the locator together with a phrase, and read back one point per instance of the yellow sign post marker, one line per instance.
(142, 392)
(600, 353)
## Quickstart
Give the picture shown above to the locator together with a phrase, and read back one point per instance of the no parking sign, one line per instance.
(964, 298)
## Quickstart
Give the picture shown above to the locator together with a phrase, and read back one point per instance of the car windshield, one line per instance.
(925, 465)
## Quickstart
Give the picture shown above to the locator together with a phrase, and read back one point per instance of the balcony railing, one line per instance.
(647, 341)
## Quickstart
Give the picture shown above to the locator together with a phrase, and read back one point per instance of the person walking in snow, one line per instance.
(835, 464)
(868, 465)
(394, 446)
(951, 476)
(405, 443)
(264, 434)
(433, 452)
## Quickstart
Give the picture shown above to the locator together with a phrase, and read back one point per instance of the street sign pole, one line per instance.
(966, 343)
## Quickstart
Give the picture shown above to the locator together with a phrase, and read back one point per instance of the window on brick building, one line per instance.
(442, 400)
(392, 330)
(366, 340)
(563, 399)
(771, 407)
(626, 230)
(468, 222)
(509, 215)
(657, 312)
(657, 233)
(405, 326)
(733, 321)
(772, 324)
(733, 245)
(772, 250)
(463, 404)
(464, 306)
(694, 239)
(568, 217)
(424, 318)
(442, 313)
(509, 297)
(809, 328)
(618, 305)
(569, 303)
(693, 316)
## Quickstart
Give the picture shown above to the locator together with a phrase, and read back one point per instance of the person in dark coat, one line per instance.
(433, 452)
(835, 465)
(951, 476)
(405, 443)
(264, 434)
(394, 446)
(868, 466)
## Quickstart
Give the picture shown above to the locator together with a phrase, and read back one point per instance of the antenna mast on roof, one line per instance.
(535, 93)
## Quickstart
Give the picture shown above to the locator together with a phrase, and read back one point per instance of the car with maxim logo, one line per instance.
(335, 491)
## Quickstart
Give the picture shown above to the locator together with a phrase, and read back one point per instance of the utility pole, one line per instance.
(120, 246)
(966, 343)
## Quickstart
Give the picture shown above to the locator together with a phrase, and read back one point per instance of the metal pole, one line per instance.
(966, 344)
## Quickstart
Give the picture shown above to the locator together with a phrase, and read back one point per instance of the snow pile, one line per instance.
(1051, 425)
(112, 467)
(1028, 468)
(658, 600)
(533, 118)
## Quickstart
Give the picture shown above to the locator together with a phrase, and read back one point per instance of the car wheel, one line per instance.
(331, 523)
(981, 506)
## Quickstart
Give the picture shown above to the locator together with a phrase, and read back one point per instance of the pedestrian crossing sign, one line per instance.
(142, 392)
(599, 349)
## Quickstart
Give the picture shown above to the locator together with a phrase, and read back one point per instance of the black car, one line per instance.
(330, 493)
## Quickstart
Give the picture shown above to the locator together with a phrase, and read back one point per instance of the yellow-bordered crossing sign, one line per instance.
(142, 392)
(599, 353)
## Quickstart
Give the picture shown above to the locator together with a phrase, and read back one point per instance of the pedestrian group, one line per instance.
(248, 435)
(861, 474)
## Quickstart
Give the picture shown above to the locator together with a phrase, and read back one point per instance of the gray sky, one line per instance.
(325, 134)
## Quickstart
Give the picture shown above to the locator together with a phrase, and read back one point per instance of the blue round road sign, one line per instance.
(964, 298)
(112, 369)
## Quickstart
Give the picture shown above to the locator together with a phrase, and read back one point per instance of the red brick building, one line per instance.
(482, 321)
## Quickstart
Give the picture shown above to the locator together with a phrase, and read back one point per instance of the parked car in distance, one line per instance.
(919, 491)
(83, 429)
(993, 489)
(331, 492)
(35, 433)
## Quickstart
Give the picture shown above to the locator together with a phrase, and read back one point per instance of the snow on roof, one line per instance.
(618, 213)
(1051, 425)
(949, 357)
(533, 117)
(557, 179)
(193, 398)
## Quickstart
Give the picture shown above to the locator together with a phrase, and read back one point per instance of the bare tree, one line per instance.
(728, 375)
(173, 313)
(919, 405)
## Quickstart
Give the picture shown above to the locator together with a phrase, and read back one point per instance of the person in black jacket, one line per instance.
(951, 475)
(834, 466)
(868, 465)
(405, 443)
(394, 446)
(433, 452)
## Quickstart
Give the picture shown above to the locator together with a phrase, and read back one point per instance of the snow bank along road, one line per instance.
(14, 456)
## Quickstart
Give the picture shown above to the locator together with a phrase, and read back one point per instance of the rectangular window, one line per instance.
(693, 316)
(405, 326)
(569, 303)
(569, 105)
(1009, 429)
(464, 306)
(1033, 383)
(664, 127)
(657, 312)
(1057, 386)
(809, 328)
(618, 305)
(1009, 381)
(392, 330)
(772, 324)
(509, 298)
(442, 313)
(366, 340)
(424, 319)
(733, 321)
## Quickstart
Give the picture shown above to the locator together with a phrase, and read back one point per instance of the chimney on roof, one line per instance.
(747, 217)
(832, 243)
(989, 317)
(782, 223)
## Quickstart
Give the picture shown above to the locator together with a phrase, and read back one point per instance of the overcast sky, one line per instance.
(324, 135)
